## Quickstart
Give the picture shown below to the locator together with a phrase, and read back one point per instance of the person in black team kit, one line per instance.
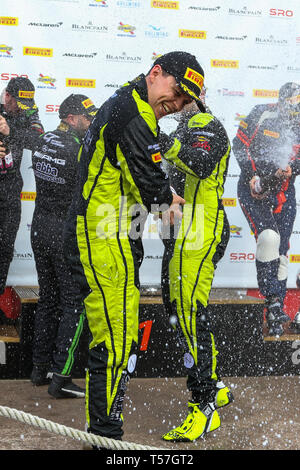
(60, 314)
(20, 127)
(267, 150)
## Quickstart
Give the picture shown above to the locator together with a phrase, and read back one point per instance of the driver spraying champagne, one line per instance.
(266, 147)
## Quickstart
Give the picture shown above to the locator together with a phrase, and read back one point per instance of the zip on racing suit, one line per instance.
(265, 141)
(60, 315)
(119, 168)
(25, 128)
(197, 154)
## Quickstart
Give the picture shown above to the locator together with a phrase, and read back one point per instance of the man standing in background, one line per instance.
(20, 127)
(60, 314)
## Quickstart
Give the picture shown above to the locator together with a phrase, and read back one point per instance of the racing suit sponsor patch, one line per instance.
(276, 135)
(26, 94)
(87, 103)
(243, 124)
(156, 157)
(194, 77)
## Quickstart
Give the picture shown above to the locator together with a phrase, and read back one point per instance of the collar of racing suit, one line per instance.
(141, 86)
(65, 127)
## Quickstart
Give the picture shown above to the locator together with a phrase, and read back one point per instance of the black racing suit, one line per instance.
(264, 143)
(25, 128)
(60, 315)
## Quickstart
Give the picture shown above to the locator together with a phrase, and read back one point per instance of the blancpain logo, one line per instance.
(244, 12)
(123, 58)
(90, 27)
(23, 255)
(271, 41)
(290, 68)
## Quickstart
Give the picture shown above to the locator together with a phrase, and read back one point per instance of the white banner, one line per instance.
(247, 49)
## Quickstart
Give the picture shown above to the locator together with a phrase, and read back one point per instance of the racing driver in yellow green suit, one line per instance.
(120, 171)
(197, 156)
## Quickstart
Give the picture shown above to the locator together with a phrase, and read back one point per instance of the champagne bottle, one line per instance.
(6, 163)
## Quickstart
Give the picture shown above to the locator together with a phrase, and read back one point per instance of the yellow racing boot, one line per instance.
(223, 395)
(197, 424)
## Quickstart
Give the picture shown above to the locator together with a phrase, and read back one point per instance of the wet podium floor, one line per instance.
(265, 415)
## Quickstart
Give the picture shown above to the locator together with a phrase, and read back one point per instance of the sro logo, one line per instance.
(277, 12)
(7, 76)
(242, 257)
(52, 108)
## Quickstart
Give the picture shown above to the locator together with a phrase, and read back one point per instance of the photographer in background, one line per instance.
(20, 127)
(267, 150)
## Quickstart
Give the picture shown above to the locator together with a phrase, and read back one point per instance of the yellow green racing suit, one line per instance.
(197, 156)
(120, 177)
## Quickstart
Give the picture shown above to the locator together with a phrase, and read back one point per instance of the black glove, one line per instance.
(165, 142)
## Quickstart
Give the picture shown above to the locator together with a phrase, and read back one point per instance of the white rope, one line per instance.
(50, 426)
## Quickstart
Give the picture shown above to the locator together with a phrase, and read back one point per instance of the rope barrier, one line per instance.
(63, 430)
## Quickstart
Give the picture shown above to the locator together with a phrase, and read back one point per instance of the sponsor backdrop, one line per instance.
(247, 49)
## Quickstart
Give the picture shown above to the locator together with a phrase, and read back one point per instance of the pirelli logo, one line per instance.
(229, 202)
(294, 258)
(165, 4)
(156, 157)
(192, 33)
(28, 196)
(38, 51)
(293, 99)
(276, 135)
(9, 21)
(227, 64)
(87, 103)
(81, 82)
(26, 94)
(265, 93)
(194, 77)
